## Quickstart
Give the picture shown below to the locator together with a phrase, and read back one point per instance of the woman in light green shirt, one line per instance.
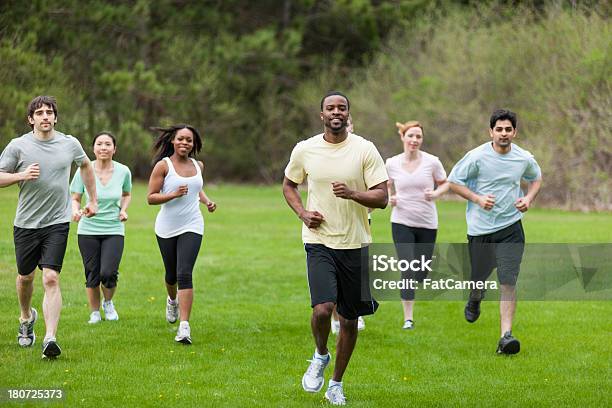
(101, 237)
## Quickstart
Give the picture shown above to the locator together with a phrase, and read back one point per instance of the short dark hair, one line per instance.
(502, 114)
(39, 101)
(332, 93)
(104, 133)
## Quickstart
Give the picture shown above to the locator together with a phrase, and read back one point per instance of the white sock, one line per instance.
(333, 383)
(320, 356)
(184, 323)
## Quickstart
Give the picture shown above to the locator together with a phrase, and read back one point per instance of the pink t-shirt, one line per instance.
(412, 209)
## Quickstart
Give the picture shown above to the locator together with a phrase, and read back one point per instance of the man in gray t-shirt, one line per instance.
(40, 163)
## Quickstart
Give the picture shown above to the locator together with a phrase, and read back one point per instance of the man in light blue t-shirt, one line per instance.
(489, 177)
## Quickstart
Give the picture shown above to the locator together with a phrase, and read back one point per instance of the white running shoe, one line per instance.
(408, 325)
(183, 335)
(335, 326)
(360, 323)
(313, 378)
(335, 395)
(109, 310)
(94, 317)
(172, 311)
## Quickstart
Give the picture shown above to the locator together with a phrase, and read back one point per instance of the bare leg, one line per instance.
(320, 324)
(171, 290)
(52, 301)
(507, 307)
(186, 296)
(408, 306)
(25, 288)
(108, 293)
(93, 295)
(347, 339)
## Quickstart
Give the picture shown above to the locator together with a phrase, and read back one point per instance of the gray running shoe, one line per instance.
(109, 310)
(26, 336)
(313, 378)
(172, 311)
(183, 335)
(508, 344)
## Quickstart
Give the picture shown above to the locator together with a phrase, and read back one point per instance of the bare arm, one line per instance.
(76, 206)
(126, 198)
(30, 173)
(156, 182)
(89, 180)
(523, 203)
(484, 201)
(443, 186)
(210, 205)
(312, 219)
(375, 197)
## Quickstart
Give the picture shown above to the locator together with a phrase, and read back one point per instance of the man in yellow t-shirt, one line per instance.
(345, 176)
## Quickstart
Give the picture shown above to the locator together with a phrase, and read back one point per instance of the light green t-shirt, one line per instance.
(106, 221)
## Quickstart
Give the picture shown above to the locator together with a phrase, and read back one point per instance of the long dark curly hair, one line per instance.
(163, 144)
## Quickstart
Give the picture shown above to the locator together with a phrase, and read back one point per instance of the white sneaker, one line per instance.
(360, 323)
(183, 335)
(313, 378)
(408, 325)
(172, 311)
(94, 317)
(25, 335)
(335, 395)
(109, 310)
(335, 326)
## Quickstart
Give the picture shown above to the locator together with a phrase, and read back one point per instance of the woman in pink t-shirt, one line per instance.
(413, 176)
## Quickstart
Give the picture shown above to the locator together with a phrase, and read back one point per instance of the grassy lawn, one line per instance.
(250, 324)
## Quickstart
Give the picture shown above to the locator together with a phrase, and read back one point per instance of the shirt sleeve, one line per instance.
(127, 181)
(438, 170)
(533, 171)
(465, 170)
(295, 168)
(78, 153)
(9, 159)
(374, 170)
(77, 183)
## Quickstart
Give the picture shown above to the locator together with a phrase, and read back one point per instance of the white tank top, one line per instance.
(181, 214)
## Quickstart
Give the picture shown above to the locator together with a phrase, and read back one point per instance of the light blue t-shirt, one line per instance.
(106, 221)
(484, 171)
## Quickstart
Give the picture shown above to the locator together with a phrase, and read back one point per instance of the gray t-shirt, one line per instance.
(45, 201)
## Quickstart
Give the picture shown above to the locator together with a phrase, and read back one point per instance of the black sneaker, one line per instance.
(508, 344)
(50, 348)
(472, 310)
(26, 336)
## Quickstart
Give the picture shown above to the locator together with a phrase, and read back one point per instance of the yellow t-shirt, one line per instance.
(355, 162)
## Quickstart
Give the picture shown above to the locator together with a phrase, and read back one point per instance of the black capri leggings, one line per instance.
(179, 254)
(425, 238)
(101, 257)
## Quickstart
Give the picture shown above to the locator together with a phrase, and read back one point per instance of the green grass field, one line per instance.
(250, 324)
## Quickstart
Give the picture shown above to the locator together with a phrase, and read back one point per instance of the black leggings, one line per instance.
(101, 257)
(425, 237)
(179, 254)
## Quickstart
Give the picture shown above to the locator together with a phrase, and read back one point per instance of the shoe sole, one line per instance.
(512, 347)
(468, 319)
(184, 340)
(52, 351)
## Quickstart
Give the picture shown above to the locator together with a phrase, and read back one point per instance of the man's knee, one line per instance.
(323, 310)
(508, 292)
(27, 279)
(50, 278)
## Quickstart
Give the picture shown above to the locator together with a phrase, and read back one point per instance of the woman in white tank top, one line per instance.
(176, 183)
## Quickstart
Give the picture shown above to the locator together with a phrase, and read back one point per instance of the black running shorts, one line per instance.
(42, 247)
(502, 249)
(335, 275)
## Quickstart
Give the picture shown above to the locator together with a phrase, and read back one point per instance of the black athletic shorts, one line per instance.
(42, 247)
(502, 249)
(335, 275)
